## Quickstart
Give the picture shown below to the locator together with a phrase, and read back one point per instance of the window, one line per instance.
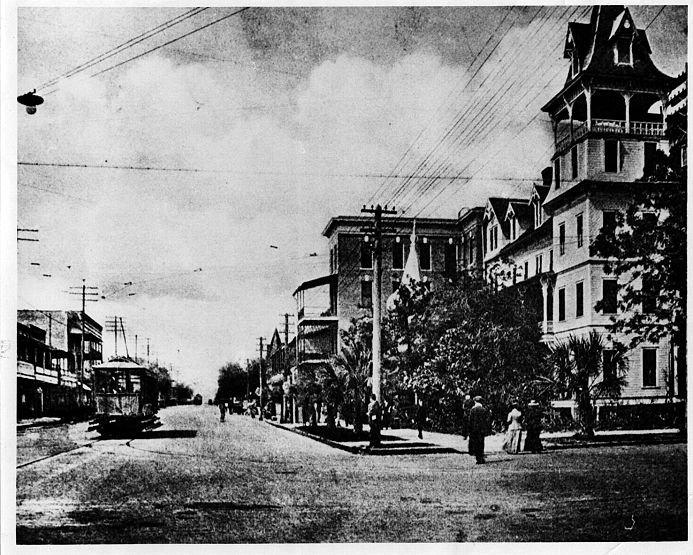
(398, 254)
(366, 294)
(649, 299)
(538, 261)
(471, 248)
(366, 255)
(609, 365)
(526, 269)
(649, 367)
(561, 304)
(450, 258)
(574, 63)
(493, 238)
(578, 227)
(650, 156)
(623, 50)
(395, 284)
(557, 172)
(574, 161)
(549, 304)
(609, 296)
(611, 150)
(551, 260)
(425, 254)
(513, 227)
(561, 238)
(579, 309)
(609, 221)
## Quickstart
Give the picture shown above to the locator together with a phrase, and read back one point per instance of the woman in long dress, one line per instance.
(513, 436)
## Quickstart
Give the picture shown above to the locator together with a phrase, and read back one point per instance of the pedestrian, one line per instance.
(420, 416)
(386, 414)
(374, 415)
(222, 411)
(533, 426)
(479, 428)
(467, 405)
(513, 435)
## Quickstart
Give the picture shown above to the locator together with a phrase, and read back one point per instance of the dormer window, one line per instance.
(574, 63)
(513, 227)
(624, 51)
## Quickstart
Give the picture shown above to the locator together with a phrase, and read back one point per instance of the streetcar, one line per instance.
(126, 397)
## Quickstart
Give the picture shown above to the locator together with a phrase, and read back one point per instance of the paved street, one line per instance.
(244, 481)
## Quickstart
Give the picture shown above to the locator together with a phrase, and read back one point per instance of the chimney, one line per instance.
(547, 176)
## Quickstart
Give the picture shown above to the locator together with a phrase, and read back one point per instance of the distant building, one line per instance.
(50, 378)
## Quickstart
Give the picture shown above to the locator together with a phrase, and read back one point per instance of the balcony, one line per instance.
(611, 127)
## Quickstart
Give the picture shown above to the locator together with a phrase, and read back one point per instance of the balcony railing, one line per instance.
(613, 127)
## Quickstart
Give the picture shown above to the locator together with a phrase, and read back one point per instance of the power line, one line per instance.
(170, 41)
(269, 173)
(125, 45)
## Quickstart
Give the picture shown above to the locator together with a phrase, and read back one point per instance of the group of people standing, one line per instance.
(532, 429)
(477, 425)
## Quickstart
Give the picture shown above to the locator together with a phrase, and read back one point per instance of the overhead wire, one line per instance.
(428, 185)
(471, 122)
(489, 129)
(124, 46)
(462, 119)
(196, 30)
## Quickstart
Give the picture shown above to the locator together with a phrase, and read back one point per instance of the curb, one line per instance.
(378, 451)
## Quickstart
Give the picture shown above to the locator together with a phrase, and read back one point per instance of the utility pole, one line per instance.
(378, 212)
(136, 348)
(112, 323)
(262, 339)
(83, 319)
(147, 351)
(247, 379)
(287, 401)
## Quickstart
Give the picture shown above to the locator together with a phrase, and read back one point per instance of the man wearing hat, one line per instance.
(479, 428)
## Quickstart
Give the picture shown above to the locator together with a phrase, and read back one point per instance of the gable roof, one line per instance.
(540, 192)
(499, 206)
(275, 343)
(523, 213)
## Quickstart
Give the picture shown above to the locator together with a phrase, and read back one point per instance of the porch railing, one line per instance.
(614, 127)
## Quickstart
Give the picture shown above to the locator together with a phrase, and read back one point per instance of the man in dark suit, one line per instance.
(374, 415)
(479, 428)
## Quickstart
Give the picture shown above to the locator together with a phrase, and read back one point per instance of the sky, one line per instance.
(180, 171)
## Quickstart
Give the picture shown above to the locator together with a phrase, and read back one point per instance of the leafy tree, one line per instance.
(470, 339)
(183, 392)
(236, 381)
(163, 379)
(647, 250)
(579, 372)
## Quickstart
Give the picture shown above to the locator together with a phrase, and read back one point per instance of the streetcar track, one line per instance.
(53, 455)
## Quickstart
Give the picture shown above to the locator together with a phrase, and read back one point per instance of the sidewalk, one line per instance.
(36, 422)
(405, 441)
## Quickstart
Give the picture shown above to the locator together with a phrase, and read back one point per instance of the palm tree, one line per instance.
(579, 371)
(352, 368)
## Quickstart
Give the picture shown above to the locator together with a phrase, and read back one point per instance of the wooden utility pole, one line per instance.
(83, 320)
(262, 339)
(378, 212)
